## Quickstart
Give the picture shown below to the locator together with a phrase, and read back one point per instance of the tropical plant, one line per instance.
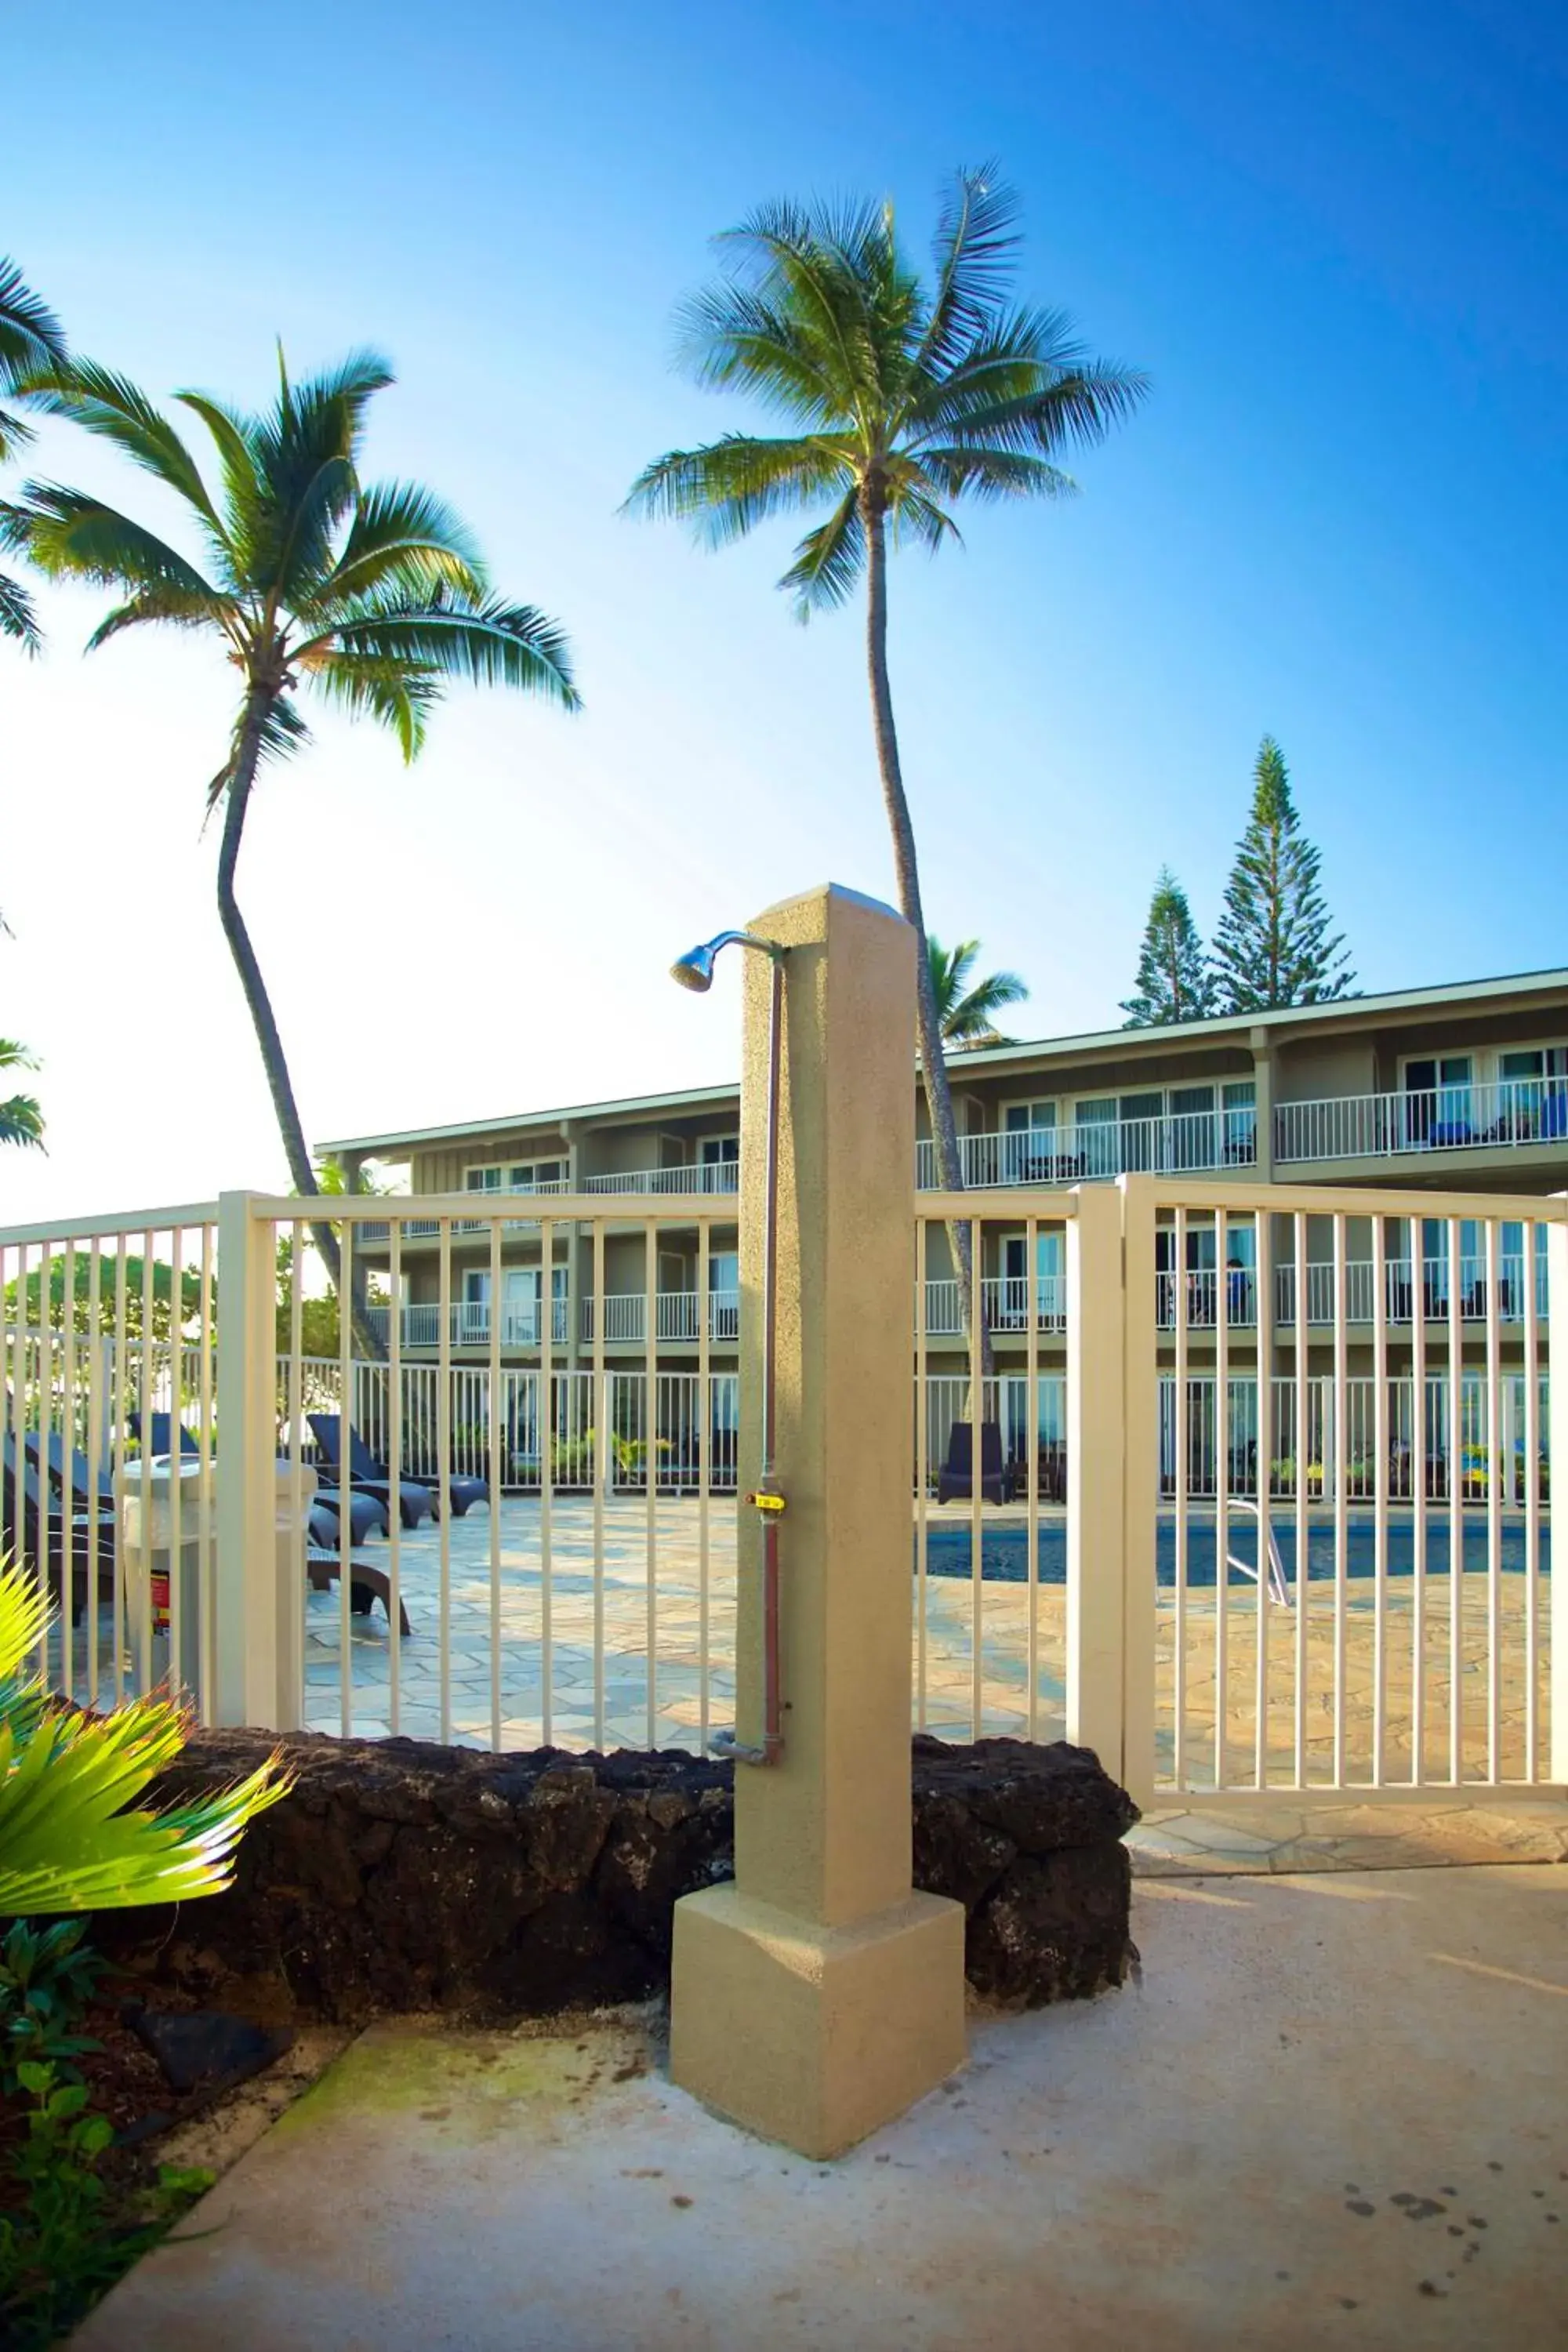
(1173, 981)
(372, 596)
(898, 397)
(21, 1118)
(47, 1981)
(31, 340)
(966, 1010)
(1273, 946)
(169, 1316)
(71, 1836)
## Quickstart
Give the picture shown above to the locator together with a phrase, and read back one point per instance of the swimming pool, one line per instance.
(1005, 1550)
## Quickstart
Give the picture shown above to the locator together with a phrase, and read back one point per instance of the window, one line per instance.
(1191, 1142)
(1437, 1104)
(1023, 1116)
(720, 1150)
(522, 1176)
(1028, 1151)
(1240, 1096)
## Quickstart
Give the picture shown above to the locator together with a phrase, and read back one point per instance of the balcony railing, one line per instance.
(1510, 1113)
(1100, 1148)
(1004, 1302)
(677, 1316)
(705, 1176)
(470, 1324)
(1399, 1294)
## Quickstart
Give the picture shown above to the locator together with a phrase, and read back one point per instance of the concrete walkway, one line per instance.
(1333, 2114)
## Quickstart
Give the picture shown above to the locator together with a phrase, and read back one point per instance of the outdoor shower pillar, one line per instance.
(817, 1996)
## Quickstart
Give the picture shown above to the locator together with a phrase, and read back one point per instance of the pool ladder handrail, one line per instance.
(1278, 1591)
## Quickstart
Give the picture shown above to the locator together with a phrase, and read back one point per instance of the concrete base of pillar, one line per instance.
(813, 2035)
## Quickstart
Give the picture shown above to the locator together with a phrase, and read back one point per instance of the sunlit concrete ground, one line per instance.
(1330, 2115)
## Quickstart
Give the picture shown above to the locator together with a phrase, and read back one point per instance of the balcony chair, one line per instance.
(955, 1480)
(368, 1476)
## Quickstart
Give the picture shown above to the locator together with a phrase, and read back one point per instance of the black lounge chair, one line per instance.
(374, 1477)
(368, 1513)
(34, 1515)
(162, 1428)
(955, 1481)
(324, 1564)
(88, 1493)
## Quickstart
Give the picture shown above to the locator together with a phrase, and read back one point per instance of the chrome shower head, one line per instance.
(695, 969)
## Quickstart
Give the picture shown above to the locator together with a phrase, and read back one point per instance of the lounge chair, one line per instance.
(373, 1477)
(368, 1513)
(161, 1431)
(324, 1565)
(86, 1491)
(955, 1481)
(27, 1508)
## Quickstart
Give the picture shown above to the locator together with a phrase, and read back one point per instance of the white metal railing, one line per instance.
(1091, 1149)
(677, 1316)
(1201, 1286)
(468, 1323)
(1005, 1300)
(1407, 1496)
(706, 1176)
(1513, 1113)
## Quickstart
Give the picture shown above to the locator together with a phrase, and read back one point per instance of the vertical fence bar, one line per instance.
(444, 1467)
(547, 1475)
(704, 1436)
(1263, 1293)
(1096, 1416)
(1418, 1443)
(1381, 1442)
(1532, 1505)
(1139, 1486)
(145, 1393)
(259, 1671)
(1455, 1508)
(118, 1419)
(1342, 1491)
(94, 1437)
(1182, 1439)
(542, 1440)
(294, 1386)
(1032, 1464)
(922, 1459)
(1496, 1466)
(395, 1467)
(68, 1485)
(976, 1474)
(1221, 1502)
(1557, 1457)
(1303, 1453)
(345, 1488)
(601, 1437)
(650, 1464)
(206, 1557)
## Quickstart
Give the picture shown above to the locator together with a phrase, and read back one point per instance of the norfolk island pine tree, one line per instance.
(1173, 981)
(1274, 945)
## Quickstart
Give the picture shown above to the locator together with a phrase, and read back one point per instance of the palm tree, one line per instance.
(31, 340)
(372, 595)
(21, 1120)
(68, 1840)
(965, 1014)
(898, 397)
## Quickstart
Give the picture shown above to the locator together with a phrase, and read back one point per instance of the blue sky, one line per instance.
(1335, 237)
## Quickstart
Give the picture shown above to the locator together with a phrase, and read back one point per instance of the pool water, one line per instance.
(1005, 1550)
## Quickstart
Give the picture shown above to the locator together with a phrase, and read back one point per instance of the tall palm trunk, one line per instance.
(257, 704)
(906, 868)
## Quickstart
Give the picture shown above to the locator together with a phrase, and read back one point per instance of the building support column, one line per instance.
(1262, 1043)
(817, 1996)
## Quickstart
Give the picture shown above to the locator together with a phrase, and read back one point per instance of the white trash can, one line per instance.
(156, 1591)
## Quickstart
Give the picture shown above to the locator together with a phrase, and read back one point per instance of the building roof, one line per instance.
(1351, 1009)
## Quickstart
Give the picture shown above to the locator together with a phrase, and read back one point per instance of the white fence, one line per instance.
(1086, 1522)
(1516, 1112)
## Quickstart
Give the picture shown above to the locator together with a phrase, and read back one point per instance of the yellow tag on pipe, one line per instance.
(761, 1502)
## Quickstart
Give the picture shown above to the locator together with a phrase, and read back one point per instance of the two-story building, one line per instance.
(1462, 1087)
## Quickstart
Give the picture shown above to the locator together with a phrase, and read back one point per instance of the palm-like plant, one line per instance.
(21, 1119)
(899, 397)
(31, 340)
(68, 1841)
(966, 1012)
(373, 596)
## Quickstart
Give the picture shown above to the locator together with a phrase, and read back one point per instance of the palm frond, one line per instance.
(484, 642)
(283, 732)
(235, 437)
(731, 485)
(32, 338)
(17, 618)
(22, 1121)
(172, 604)
(729, 334)
(993, 474)
(110, 406)
(71, 536)
(796, 260)
(828, 561)
(403, 534)
(917, 516)
(391, 692)
(977, 235)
